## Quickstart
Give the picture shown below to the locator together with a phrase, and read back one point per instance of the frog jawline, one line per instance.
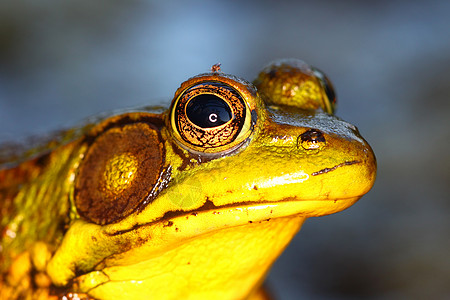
(262, 211)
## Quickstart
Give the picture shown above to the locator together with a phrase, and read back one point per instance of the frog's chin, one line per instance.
(100, 247)
(243, 231)
(217, 262)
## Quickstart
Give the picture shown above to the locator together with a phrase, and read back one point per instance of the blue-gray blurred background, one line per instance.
(62, 61)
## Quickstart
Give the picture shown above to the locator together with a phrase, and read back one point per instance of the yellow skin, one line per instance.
(206, 220)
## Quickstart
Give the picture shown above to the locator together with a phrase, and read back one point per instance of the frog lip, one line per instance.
(326, 170)
(267, 210)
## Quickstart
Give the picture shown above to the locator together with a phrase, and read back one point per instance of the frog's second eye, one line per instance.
(292, 82)
(328, 88)
(210, 117)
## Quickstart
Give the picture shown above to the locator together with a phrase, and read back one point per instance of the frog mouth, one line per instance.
(261, 210)
(251, 211)
(327, 170)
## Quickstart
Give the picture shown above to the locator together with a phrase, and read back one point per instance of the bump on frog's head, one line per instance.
(292, 82)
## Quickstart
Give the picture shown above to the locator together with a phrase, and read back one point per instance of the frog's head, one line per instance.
(202, 198)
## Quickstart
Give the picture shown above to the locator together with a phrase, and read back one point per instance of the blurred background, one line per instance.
(62, 61)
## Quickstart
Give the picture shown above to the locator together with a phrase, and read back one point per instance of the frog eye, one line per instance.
(118, 172)
(312, 139)
(210, 117)
(330, 102)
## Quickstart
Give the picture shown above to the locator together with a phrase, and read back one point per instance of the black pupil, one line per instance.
(208, 111)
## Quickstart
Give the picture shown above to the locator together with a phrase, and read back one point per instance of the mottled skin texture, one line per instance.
(131, 208)
(30, 216)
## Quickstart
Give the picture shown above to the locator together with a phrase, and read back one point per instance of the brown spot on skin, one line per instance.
(43, 160)
(169, 224)
(93, 199)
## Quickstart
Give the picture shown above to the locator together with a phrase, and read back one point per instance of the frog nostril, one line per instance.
(312, 139)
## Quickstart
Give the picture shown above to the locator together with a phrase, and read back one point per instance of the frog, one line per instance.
(193, 201)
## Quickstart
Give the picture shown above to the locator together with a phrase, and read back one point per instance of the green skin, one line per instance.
(297, 179)
(29, 210)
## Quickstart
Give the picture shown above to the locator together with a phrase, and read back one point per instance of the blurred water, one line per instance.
(389, 61)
